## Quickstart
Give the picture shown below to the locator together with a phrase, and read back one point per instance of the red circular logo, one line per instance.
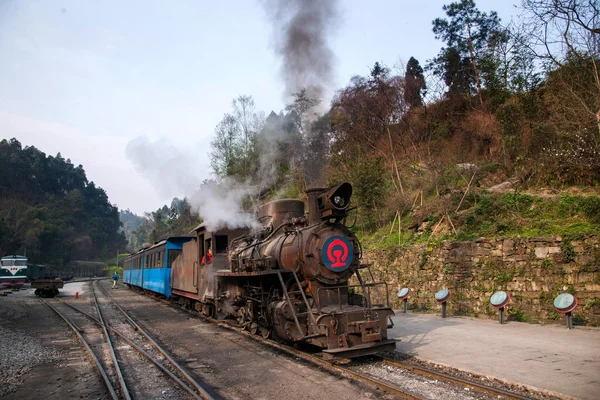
(337, 253)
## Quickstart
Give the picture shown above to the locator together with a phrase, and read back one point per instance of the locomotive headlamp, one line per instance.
(334, 202)
(339, 201)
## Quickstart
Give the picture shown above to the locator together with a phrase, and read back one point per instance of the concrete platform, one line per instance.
(549, 357)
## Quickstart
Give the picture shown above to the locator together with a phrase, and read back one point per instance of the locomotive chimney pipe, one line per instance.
(314, 215)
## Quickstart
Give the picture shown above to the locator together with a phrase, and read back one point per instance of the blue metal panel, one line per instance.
(127, 265)
(154, 280)
(136, 277)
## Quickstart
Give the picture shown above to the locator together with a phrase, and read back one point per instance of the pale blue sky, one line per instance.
(86, 77)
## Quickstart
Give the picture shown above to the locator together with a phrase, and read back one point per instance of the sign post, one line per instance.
(442, 297)
(499, 300)
(565, 303)
(403, 295)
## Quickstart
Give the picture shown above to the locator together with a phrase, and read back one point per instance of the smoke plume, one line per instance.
(176, 173)
(301, 29)
(171, 171)
(219, 205)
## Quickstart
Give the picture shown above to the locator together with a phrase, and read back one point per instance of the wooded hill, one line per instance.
(50, 211)
(515, 102)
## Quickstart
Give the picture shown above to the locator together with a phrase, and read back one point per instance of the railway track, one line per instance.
(381, 384)
(388, 387)
(127, 375)
(449, 378)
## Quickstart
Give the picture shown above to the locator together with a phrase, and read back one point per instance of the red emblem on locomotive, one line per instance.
(337, 253)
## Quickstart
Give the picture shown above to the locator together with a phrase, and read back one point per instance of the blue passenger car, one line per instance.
(132, 268)
(150, 268)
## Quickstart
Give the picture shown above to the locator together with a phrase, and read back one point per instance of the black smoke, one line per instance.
(301, 30)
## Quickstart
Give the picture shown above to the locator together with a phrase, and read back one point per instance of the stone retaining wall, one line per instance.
(532, 270)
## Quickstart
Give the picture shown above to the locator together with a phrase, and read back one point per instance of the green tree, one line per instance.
(233, 149)
(226, 147)
(467, 33)
(177, 220)
(366, 117)
(415, 83)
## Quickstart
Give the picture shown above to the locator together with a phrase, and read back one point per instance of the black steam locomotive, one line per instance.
(298, 278)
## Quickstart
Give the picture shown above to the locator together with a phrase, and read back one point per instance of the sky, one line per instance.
(86, 78)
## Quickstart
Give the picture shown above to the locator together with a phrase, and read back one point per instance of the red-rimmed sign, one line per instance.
(500, 299)
(565, 303)
(337, 253)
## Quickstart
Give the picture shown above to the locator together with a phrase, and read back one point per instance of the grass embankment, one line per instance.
(484, 214)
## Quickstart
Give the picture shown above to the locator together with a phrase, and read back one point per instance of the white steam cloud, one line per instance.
(219, 205)
(171, 171)
(175, 173)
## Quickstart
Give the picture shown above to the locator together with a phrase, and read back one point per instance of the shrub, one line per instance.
(568, 252)
(516, 314)
(591, 208)
(516, 201)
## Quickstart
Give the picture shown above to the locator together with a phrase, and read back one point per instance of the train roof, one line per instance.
(160, 243)
(202, 226)
(15, 257)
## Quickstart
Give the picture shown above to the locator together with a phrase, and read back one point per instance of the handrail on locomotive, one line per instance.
(366, 302)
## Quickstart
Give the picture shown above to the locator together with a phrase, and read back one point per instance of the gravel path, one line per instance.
(20, 351)
(39, 356)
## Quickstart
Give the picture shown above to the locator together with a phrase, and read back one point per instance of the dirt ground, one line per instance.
(233, 366)
(39, 356)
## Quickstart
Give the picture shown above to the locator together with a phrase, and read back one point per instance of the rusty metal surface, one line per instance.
(45, 284)
(226, 272)
(281, 279)
(280, 211)
(183, 273)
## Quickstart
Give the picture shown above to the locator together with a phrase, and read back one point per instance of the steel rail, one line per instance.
(338, 369)
(111, 347)
(325, 365)
(89, 350)
(450, 378)
(203, 392)
(140, 350)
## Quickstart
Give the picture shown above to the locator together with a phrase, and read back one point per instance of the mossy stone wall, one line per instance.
(532, 270)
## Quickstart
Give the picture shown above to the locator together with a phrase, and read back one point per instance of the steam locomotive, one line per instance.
(292, 279)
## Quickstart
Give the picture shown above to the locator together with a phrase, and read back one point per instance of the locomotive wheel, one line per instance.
(242, 320)
(209, 310)
(265, 332)
(254, 328)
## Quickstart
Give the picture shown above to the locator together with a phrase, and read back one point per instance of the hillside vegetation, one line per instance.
(50, 211)
(421, 142)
